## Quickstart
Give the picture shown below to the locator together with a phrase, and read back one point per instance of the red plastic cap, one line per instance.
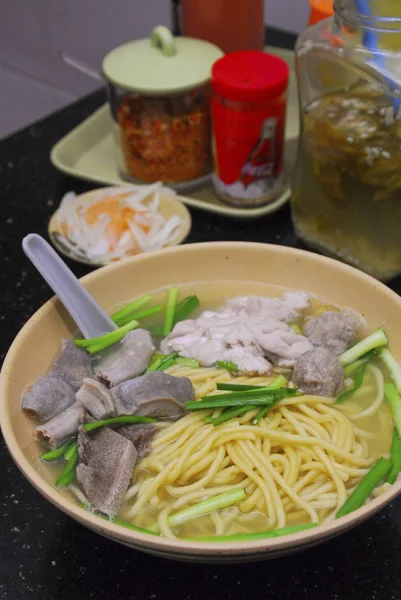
(250, 76)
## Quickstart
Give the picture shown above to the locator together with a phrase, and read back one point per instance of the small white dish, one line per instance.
(169, 205)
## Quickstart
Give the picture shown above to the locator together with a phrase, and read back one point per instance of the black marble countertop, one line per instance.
(45, 554)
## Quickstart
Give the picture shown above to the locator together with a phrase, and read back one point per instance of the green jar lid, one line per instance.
(162, 64)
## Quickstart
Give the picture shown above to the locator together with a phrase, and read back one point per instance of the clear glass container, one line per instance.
(165, 138)
(159, 93)
(346, 198)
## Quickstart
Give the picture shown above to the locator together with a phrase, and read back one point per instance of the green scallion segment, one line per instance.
(95, 345)
(350, 369)
(160, 363)
(377, 339)
(228, 365)
(127, 419)
(182, 311)
(55, 454)
(117, 521)
(277, 383)
(359, 375)
(250, 398)
(224, 500)
(394, 400)
(262, 413)
(255, 393)
(395, 457)
(148, 312)
(229, 414)
(393, 367)
(259, 535)
(170, 310)
(361, 493)
(68, 475)
(191, 363)
(166, 364)
(124, 312)
(185, 307)
(236, 387)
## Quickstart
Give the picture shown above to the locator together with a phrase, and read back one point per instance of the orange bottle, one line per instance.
(320, 9)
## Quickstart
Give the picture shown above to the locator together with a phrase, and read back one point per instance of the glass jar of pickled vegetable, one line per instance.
(159, 91)
(347, 183)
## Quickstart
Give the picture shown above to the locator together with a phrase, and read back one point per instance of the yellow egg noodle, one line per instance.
(298, 465)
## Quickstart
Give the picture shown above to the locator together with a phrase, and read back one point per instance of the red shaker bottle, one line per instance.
(248, 112)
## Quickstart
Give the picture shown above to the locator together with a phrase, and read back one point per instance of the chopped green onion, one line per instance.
(360, 373)
(130, 308)
(95, 345)
(249, 401)
(185, 307)
(395, 457)
(394, 400)
(250, 398)
(170, 310)
(117, 521)
(154, 310)
(393, 367)
(261, 391)
(71, 451)
(375, 340)
(68, 475)
(224, 500)
(166, 364)
(259, 535)
(182, 310)
(227, 415)
(55, 454)
(277, 383)
(263, 411)
(234, 412)
(365, 487)
(228, 365)
(236, 387)
(192, 363)
(117, 421)
(350, 369)
(159, 364)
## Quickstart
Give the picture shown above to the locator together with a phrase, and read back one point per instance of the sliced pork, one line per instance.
(140, 436)
(47, 397)
(318, 372)
(59, 429)
(96, 399)
(128, 359)
(155, 394)
(332, 330)
(72, 365)
(106, 463)
(286, 308)
(251, 332)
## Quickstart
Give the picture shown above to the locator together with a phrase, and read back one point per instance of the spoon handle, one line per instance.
(88, 315)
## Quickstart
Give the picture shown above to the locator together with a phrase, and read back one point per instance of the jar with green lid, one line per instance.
(347, 186)
(159, 91)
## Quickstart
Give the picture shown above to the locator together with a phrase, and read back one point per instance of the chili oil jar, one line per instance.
(159, 92)
(248, 114)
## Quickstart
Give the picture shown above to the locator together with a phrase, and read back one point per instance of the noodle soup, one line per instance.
(209, 458)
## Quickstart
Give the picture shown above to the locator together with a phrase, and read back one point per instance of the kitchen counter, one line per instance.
(45, 554)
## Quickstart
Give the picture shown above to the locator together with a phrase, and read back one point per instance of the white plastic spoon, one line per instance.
(88, 315)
